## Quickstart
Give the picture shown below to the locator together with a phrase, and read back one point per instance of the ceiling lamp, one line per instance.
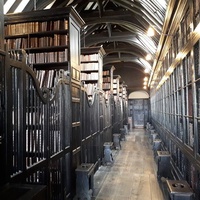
(150, 32)
(148, 57)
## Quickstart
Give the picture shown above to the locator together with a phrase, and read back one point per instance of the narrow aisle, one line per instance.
(132, 176)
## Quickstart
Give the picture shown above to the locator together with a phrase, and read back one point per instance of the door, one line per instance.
(139, 111)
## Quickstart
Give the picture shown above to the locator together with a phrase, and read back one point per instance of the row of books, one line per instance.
(34, 27)
(15, 55)
(34, 143)
(34, 140)
(55, 142)
(31, 161)
(37, 42)
(114, 85)
(47, 57)
(34, 118)
(189, 63)
(91, 57)
(106, 86)
(106, 73)
(49, 78)
(55, 40)
(89, 66)
(90, 76)
(107, 79)
(114, 91)
(191, 135)
(46, 78)
(186, 27)
(90, 88)
(18, 43)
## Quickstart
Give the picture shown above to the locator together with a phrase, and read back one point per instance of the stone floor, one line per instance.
(132, 176)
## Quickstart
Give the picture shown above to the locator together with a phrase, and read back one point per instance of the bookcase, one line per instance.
(116, 83)
(108, 78)
(48, 126)
(124, 92)
(175, 99)
(92, 68)
(50, 41)
(108, 81)
(43, 85)
(122, 89)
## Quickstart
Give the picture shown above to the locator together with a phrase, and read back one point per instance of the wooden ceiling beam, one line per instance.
(60, 3)
(101, 38)
(40, 4)
(133, 51)
(100, 8)
(109, 29)
(108, 16)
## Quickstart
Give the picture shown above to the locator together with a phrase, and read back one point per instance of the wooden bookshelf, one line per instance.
(51, 40)
(108, 78)
(124, 92)
(116, 84)
(91, 68)
(175, 103)
(121, 85)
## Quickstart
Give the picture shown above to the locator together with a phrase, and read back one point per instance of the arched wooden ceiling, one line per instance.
(119, 26)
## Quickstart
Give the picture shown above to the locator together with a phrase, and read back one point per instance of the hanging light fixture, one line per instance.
(148, 57)
(150, 32)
